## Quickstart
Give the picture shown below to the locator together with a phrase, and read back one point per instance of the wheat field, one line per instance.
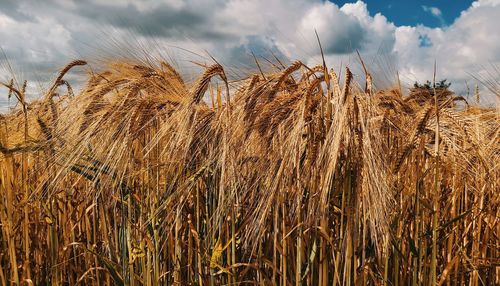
(296, 176)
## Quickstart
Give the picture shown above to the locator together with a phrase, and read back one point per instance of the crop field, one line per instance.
(300, 175)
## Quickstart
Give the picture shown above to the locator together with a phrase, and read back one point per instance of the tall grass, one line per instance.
(298, 176)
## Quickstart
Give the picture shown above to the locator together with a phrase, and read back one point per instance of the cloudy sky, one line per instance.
(37, 37)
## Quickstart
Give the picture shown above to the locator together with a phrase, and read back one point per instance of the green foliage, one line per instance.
(442, 84)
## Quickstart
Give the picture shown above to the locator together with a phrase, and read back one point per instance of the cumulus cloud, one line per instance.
(433, 10)
(341, 32)
(462, 50)
(40, 37)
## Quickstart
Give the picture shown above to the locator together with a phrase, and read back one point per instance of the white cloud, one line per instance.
(433, 10)
(34, 45)
(466, 48)
(485, 3)
(340, 32)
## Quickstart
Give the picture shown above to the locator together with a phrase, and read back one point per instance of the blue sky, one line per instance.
(414, 12)
(405, 37)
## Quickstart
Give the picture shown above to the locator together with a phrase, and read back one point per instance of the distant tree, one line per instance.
(422, 93)
(440, 85)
